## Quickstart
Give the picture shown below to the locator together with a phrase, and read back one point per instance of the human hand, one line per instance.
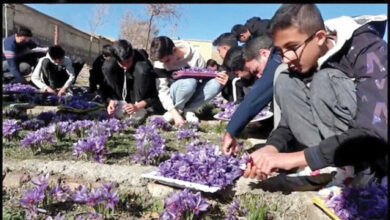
(130, 108)
(253, 169)
(222, 78)
(62, 91)
(111, 107)
(179, 121)
(229, 144)
(50, 90)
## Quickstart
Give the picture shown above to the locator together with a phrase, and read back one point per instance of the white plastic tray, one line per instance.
(180, 183)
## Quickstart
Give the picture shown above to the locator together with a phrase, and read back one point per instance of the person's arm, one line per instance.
(162, 84)
(70, 72)
(371, 92)
(36, 76)
(256, 100)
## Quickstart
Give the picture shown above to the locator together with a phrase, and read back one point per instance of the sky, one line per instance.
(198, 21)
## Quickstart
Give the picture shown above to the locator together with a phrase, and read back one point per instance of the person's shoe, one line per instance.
(191, 117)
(168, 117)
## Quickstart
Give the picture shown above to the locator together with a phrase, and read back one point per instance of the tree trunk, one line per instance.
(149, 29)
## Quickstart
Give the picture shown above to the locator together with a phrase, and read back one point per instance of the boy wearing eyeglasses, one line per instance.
(333, 94)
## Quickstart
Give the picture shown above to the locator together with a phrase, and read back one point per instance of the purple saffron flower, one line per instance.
(160, 123)
(94, 197)
(234, 211)
(10, 127)
(32, 197)
(80, 195)
(186, 134)
(41, 182)
(150, 144)
(19, 87)
(45, 134)
(183, 204)
(60, 192)
(57, 217)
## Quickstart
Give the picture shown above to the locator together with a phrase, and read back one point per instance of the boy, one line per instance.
(184, 95)
(96, 77)
(20, 54)
(54, 72)
(337, 108)
(254, 27)
(129, 77)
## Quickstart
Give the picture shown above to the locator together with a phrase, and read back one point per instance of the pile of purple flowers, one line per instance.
(229, 109)
(160, 123)
(91, 145)
(183, 205)
(35, 138)
(150, 145)
(19, 87)
(234, 211)
(203, 163)
(103, 199)
(10, 128)
(364, 202)
(33, 197)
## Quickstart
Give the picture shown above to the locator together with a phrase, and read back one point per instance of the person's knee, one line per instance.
(24, 68)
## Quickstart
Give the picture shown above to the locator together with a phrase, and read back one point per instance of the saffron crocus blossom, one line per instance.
(45, 134)
(60, 192)
(110, 196)
(94, 197)
(183, 205)
(364, 202)
(160, 123)
(59, 216)
(204, 164)
(234, 211)
(79, 102)
(80, 195)
(10, 127)
(186, 134)
(41, 182)
(229, 109)
(150, 144)
(93, 144)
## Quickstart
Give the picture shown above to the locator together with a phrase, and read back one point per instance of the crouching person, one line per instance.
(129, 82)
(54, 72)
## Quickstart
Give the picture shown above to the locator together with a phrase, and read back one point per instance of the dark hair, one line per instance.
(107, 50)
(238, 29)
(56, 52)
(227, 39)
(234, 60)
(306, 17)
(23, 31)
(122, 50)
(211, 62)
(251, 49)
(160, 47)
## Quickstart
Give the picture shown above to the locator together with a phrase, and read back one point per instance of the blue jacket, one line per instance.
(259, 96)
(12, 52)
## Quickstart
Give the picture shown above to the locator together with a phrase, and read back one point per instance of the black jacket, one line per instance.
(140, 80)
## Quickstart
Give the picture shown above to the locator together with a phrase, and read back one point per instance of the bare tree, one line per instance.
(97, 19)
(135, 30)
(168, 12)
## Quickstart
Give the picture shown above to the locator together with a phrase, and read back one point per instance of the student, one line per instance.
(212, 64)
(20, 53)
(223, 43)
(234, 62)
(335, 108)
(129, 77)
(96, 77)
(254, 27)
(54, 72)
(183, 95)
(261, 60)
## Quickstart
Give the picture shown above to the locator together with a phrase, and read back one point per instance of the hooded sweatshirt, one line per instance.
(49, 74)
(361, 54)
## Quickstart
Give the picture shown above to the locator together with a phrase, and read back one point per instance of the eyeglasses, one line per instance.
(294, 50)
